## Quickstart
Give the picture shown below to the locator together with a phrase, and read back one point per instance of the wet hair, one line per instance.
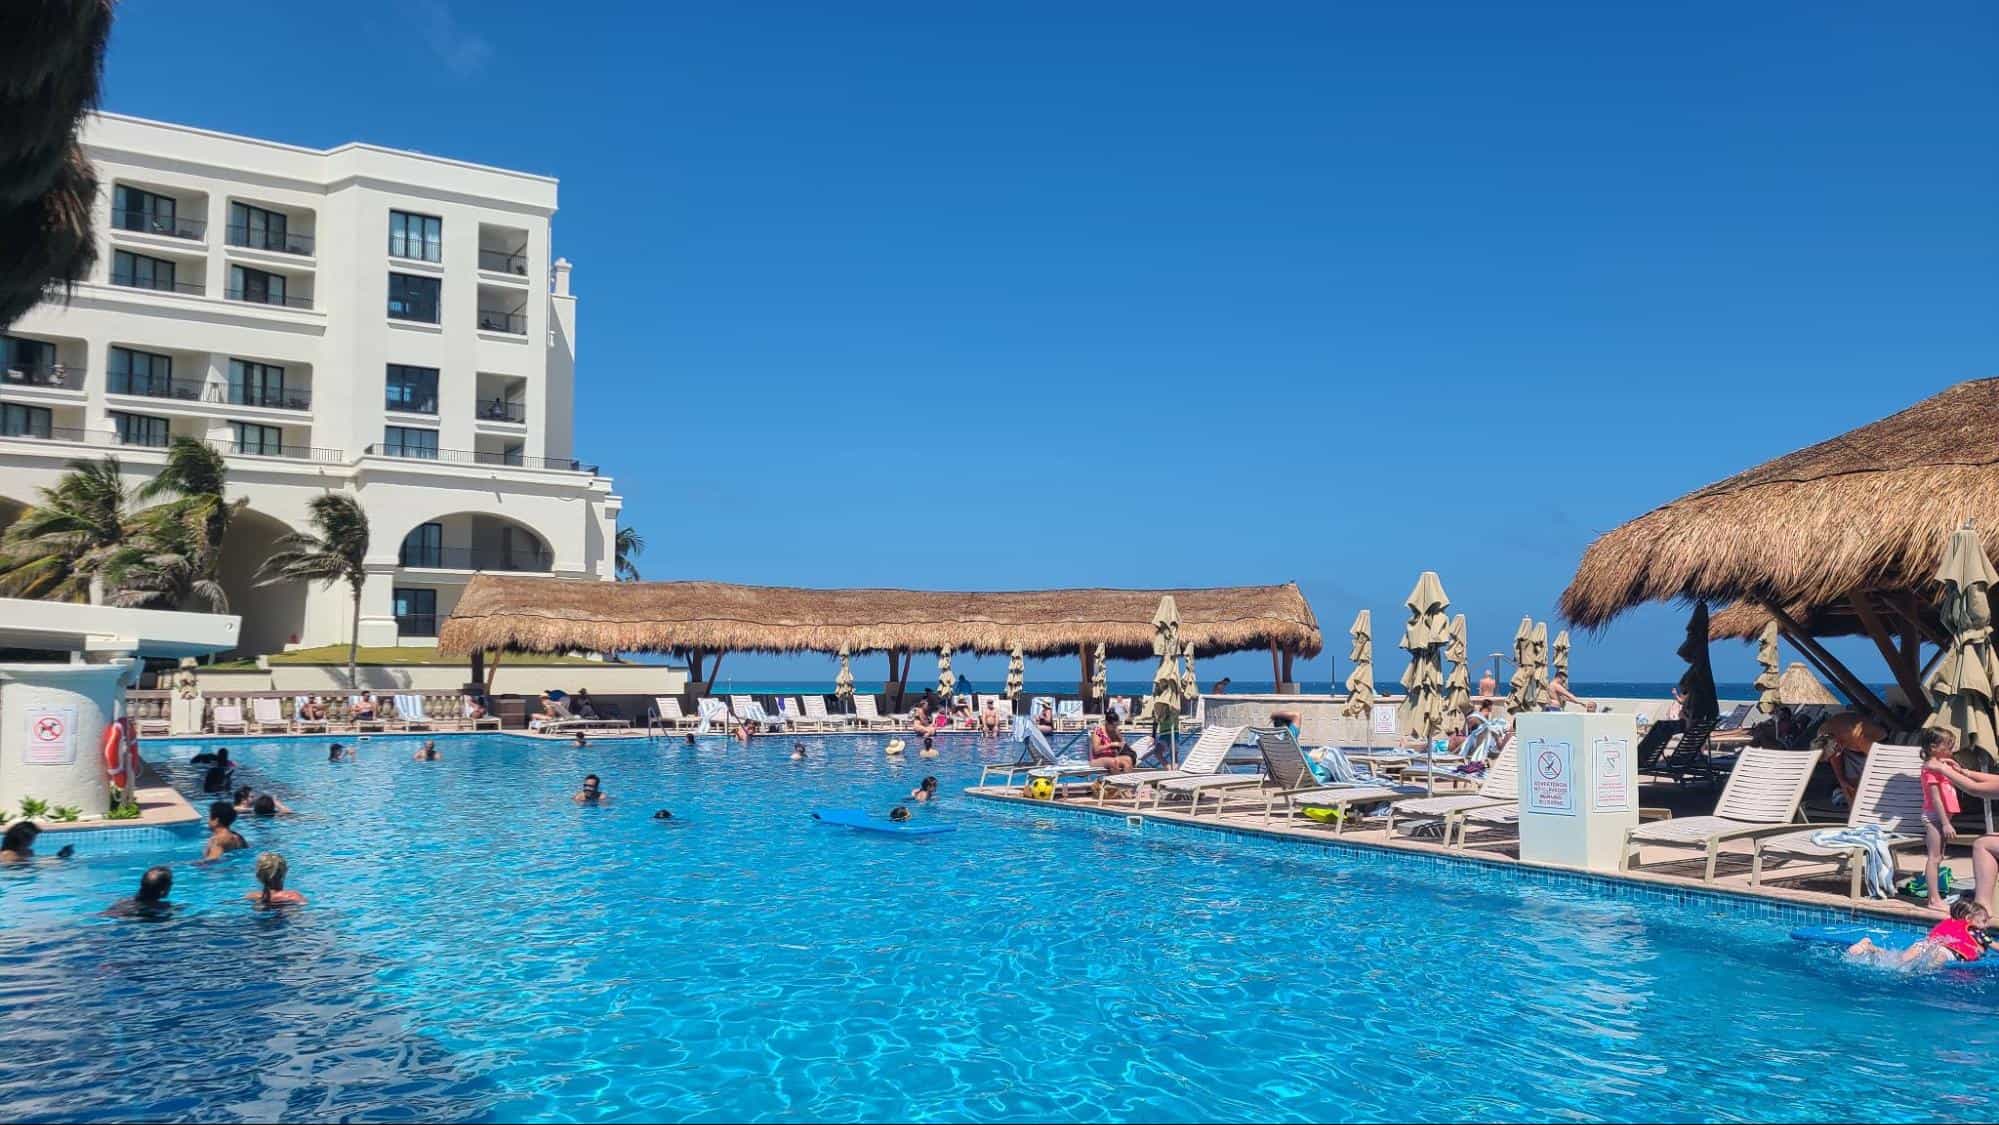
(929, 742)
(333, 751)
(1964, 908)
(690, 738)
(663, 814)
(20, 836)
(580, 740)
(429, 748)
(222, 754)
(265, 805)
(155, 884)
(898, 813)
(222, 811)
(1938, 742)
(271, 868)
(243, 793)
(590, 777)
(928, 783)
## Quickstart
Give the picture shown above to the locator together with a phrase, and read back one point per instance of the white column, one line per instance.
(378, 608)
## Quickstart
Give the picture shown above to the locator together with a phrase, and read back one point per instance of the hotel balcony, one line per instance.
(246, 237)
(43, 376)
(416, 557)
(498, 457)
(165, 226)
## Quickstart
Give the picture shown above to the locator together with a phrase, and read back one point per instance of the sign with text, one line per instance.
(1608, 758)
(51, 736)
(1384, 719)
(1550, 776)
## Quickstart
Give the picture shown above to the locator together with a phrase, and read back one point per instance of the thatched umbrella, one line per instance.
(1423, 638)
(1768, 662)
(1166, 694)
(1016, 673)
(1522, 695)
(1797, 687)
(1561, 654)
(1962, 683)
(1697, 684)
(1360, 681)
(51, 64)
(947, 680)
(1457, 688)
(843, 684)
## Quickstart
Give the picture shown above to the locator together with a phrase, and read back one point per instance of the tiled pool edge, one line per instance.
(1638, 885)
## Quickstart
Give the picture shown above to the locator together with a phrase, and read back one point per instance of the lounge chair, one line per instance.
(1890, 797)
(667, 716)
(749, 710)
(1038, 758)
(375, 723)
(410, 713)
(153, 726)
(713, 712)
(1203, 759)
(227, 718)
(816, 713)
(1069, 716)
(869, 717)
(1293, 784)
(1501, 786)
(1761, 798)
(487, 721)
(795, 716)
(267, 715)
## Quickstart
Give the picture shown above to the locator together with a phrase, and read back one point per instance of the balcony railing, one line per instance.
(289, 398)
(512, 323)
(288, 452)
(499, 410)
(146, 222)
(144, 441)
(479, 457)
(196, 390)
(54, 433)
(284, 242)
(502, 261)
(157, 284)
(474, 558)
(416, 624)
(58, 376)
(266, 297)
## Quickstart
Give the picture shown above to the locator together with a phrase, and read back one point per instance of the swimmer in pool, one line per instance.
(592, 792)
(1960, 937)
(898, 814)
(663, 814)
(222, 837)
(151, 901)
(339, 753)
(271, 868)
(690, 738)
(428, 752)
(18, 846)
(268, 805)
(580, 740)
(929, 747)
(926, 791)
(798, 751)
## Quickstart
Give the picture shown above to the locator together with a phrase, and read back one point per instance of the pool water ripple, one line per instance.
(479, 947)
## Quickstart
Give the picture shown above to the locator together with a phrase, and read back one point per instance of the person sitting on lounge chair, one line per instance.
(1107, 748)
(920, 720)
(1847, 738)
(364, 708)
(552, 710)
(584, 709)
(312, 711)
(1044, 717)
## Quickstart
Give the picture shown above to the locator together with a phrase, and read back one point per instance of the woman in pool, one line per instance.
(898, 814)
(929, 747)
(268, 805)
(798, 751)
(927, 791)
(1107, 748)
(243, 796)
(18, 845)
(216, 780)
(271, 869)
(339, 753)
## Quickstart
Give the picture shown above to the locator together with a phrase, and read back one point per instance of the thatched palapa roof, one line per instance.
(1866, 511)
(51, 59)
(548, 614)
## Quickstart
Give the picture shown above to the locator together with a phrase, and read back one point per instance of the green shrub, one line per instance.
(126, 810)
(32, 807)
(67, 814)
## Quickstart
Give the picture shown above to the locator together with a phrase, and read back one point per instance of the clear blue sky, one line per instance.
(1034, 294)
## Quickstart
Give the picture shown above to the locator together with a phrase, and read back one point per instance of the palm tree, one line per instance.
(182, 537)
(74, 544)
(335, 553)
(630, 545)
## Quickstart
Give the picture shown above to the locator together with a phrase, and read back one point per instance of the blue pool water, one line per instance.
(478, 947)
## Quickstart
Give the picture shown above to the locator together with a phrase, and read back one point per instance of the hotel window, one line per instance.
(139, 373)
(405, 441)
(141, 272)
(412, 390)
(424, 545)
(25, 421)
(416, 612)
(256, 384)
(140, 429)
(257, 286)
(266, 441)
(416, 236)
(257, 228)
(413, 298)
(132, 209)
(26, 357)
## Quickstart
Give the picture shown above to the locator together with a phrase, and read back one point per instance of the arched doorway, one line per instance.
(272, 615)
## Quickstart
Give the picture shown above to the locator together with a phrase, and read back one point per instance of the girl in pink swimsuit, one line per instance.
(1939, 805)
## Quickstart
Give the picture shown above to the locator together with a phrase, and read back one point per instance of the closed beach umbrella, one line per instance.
(1190, 688)
(843, 684)
(1100, 677)
(1697, 684)
(1537, 659)
(1360, 681)
(1424, 638)
(1768, 661)
(1962, 683)
(1457, 689)
(1016, 672)
(1561, 657)
(947, 681)
(1521, 696)
(1797, 687)
(1166, 693)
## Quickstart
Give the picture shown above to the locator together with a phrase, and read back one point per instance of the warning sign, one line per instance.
(1384, 719)
(1609, 758)
(1550, 777)
(51, 736)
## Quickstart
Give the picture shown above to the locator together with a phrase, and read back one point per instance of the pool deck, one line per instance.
(1802, 884)
(160, 806)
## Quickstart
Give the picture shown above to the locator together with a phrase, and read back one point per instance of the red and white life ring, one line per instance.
(121, 752)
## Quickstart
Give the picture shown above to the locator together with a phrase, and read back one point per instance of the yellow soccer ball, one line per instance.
(1041, 789)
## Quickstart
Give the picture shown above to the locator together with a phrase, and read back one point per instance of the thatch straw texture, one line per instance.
(556, 615)
(51, 63)
(1868, 510)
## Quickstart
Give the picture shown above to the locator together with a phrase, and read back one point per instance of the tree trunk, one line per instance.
(354, 644)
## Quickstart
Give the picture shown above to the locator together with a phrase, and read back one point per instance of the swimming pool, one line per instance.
(478, 947)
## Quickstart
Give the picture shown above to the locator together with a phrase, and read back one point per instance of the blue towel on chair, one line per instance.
(1880, 862)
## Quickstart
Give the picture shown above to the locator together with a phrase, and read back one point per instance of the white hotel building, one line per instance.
(357, 319)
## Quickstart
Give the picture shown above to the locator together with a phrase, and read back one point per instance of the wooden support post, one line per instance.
(493, 669)
(1828, 664)
(1905, 672)
(694, 659)
(478, 667)
(1289, 656)
(1083, 682)
(1276, 667)
(715, 670)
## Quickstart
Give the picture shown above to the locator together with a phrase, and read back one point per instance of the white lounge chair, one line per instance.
(358, 723)
(815, 712)
(748, 709)
(795, 717)
(713, 712)
(1760, 798)
(1203, 759)
(1500, 787)
(1890, 796)
(487, 721)
(410, 713)
(266, 714)
(227, 718)
(667, 715)
(1293, 784)
(870, 717)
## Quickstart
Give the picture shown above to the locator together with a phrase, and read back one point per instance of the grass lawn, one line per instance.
(337, 654)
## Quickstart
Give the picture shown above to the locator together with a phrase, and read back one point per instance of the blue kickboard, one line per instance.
(868, 822)
(1848, 933)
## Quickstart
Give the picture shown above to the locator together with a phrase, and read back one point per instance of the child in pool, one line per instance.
(1939, 805)
(798, 751)
(898, 814)
(1960, 937)
(929, 747)
(927, 791)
